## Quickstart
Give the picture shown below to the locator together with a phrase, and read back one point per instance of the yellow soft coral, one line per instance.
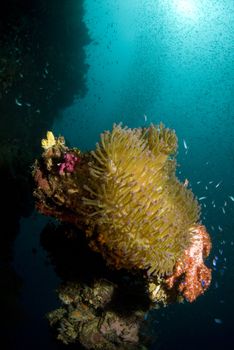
(49, 142)
(141, 213)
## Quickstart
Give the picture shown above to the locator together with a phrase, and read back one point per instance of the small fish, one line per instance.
(210, 182)
(214, 262)
(220, 228)
(18, 102)
(218, 184)
(223, 210)
(198, 182)
(206, 187)
(218, 320)
(232, 198)
(145, 118)
(201, 198)
(203, 283)
(225, 203)
(185, 145)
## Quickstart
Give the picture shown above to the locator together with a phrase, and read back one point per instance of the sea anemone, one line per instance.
(141, 214)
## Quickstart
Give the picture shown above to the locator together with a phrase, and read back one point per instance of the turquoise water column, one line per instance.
(171, 61)
(159, 60)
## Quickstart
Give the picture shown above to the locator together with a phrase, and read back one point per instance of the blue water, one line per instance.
(151, 61)
(172, 61)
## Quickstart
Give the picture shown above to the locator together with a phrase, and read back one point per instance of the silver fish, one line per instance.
(185, 145)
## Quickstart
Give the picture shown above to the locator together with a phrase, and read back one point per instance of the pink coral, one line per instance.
(191, 276)
(68, 164)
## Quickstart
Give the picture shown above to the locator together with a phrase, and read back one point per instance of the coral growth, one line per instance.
(142, 212)
(191, 276)
(68, 164)
(84, 318)
(127, 200)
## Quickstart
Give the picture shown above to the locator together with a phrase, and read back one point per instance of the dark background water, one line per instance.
(78, 66)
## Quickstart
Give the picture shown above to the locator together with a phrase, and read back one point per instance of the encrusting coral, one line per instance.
(127, 199)
(85, 318)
